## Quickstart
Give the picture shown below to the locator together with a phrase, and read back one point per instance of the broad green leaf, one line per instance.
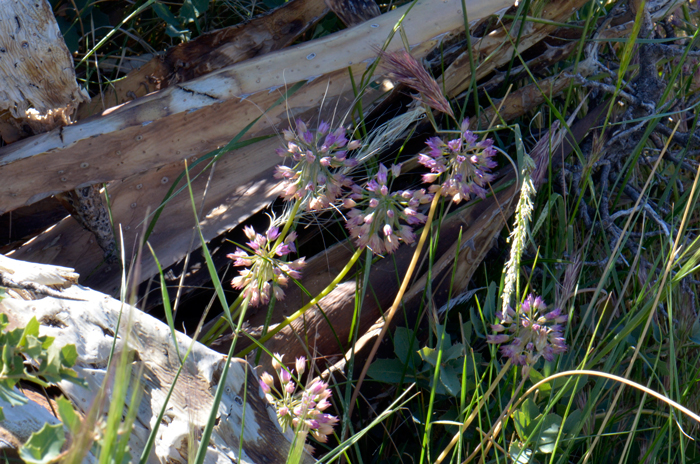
(32, 347)
(450, 378)
(165, 14)
(535, 377)
(386, 370)
(31, 329)
(402, 344)
(10, 395)
(188, 13)
(523, 418)
(43, 446)
(519, 454)
(453, 352)
(467, 331)
(429, 355)
(2, 415)
(69, 354)
(549, 431)
(573, 420)
(201, 5)
(68, 415)
(695, 334)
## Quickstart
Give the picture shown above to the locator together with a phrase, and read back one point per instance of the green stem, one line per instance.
(308, 305)
(209, 427)
(219, 327)
(288, 224)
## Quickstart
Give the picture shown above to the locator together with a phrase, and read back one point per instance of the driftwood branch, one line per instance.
(92, 326)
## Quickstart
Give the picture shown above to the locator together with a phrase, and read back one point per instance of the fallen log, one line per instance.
(91, 321)
(155, 133)
(212, 51)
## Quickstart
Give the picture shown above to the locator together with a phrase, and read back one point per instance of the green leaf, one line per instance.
(523, 418)
(695, 334)
(535, 377)
(68, 415)
(450, 378)
(402, 343)
(549, 431)
(188, 13)
(573, 420)
(69, 355)
(31, 329)
(201, 5)
(43, 446)
(2, 415)
(428, 355)
(165, 14)
(453, 352)
(10, 395)
(467, 331)
(387, 370)
(32, 347)
(519, 454)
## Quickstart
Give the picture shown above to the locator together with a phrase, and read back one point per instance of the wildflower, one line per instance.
(377, 225)
(408, 71)
(465, 163)
(265, 272)
(315, 178)
(300, 407)
(531, 333)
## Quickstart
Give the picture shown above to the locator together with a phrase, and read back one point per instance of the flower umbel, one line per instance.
(295, 405)
(265, 272)
(377, 225)
(465, 163)
(530, 333)
(315, 178)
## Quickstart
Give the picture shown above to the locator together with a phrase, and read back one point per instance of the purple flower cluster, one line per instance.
(296, 406)
(530, 333)
(465, 163)
(377, 225)
(265, 273)
(315, 177)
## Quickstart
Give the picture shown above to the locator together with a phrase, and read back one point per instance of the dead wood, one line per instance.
(353, 12)
(41, 94)
(212, 51)
(155, 133)
(38, 90)
(92, 325)
(103, 149)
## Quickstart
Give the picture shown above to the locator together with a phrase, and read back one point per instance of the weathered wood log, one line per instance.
(496, 49)
(213, 51)
(92, 325)
(37, 80)
(41, 94)
(19, 424)
(105, 146)
(156, 132)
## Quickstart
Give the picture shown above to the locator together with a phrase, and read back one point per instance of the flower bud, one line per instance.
(300, 365)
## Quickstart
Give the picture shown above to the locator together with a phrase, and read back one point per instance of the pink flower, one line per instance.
(265, 272)
(531, 333)
(315, 178)
(464, 164)
(377, 226)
